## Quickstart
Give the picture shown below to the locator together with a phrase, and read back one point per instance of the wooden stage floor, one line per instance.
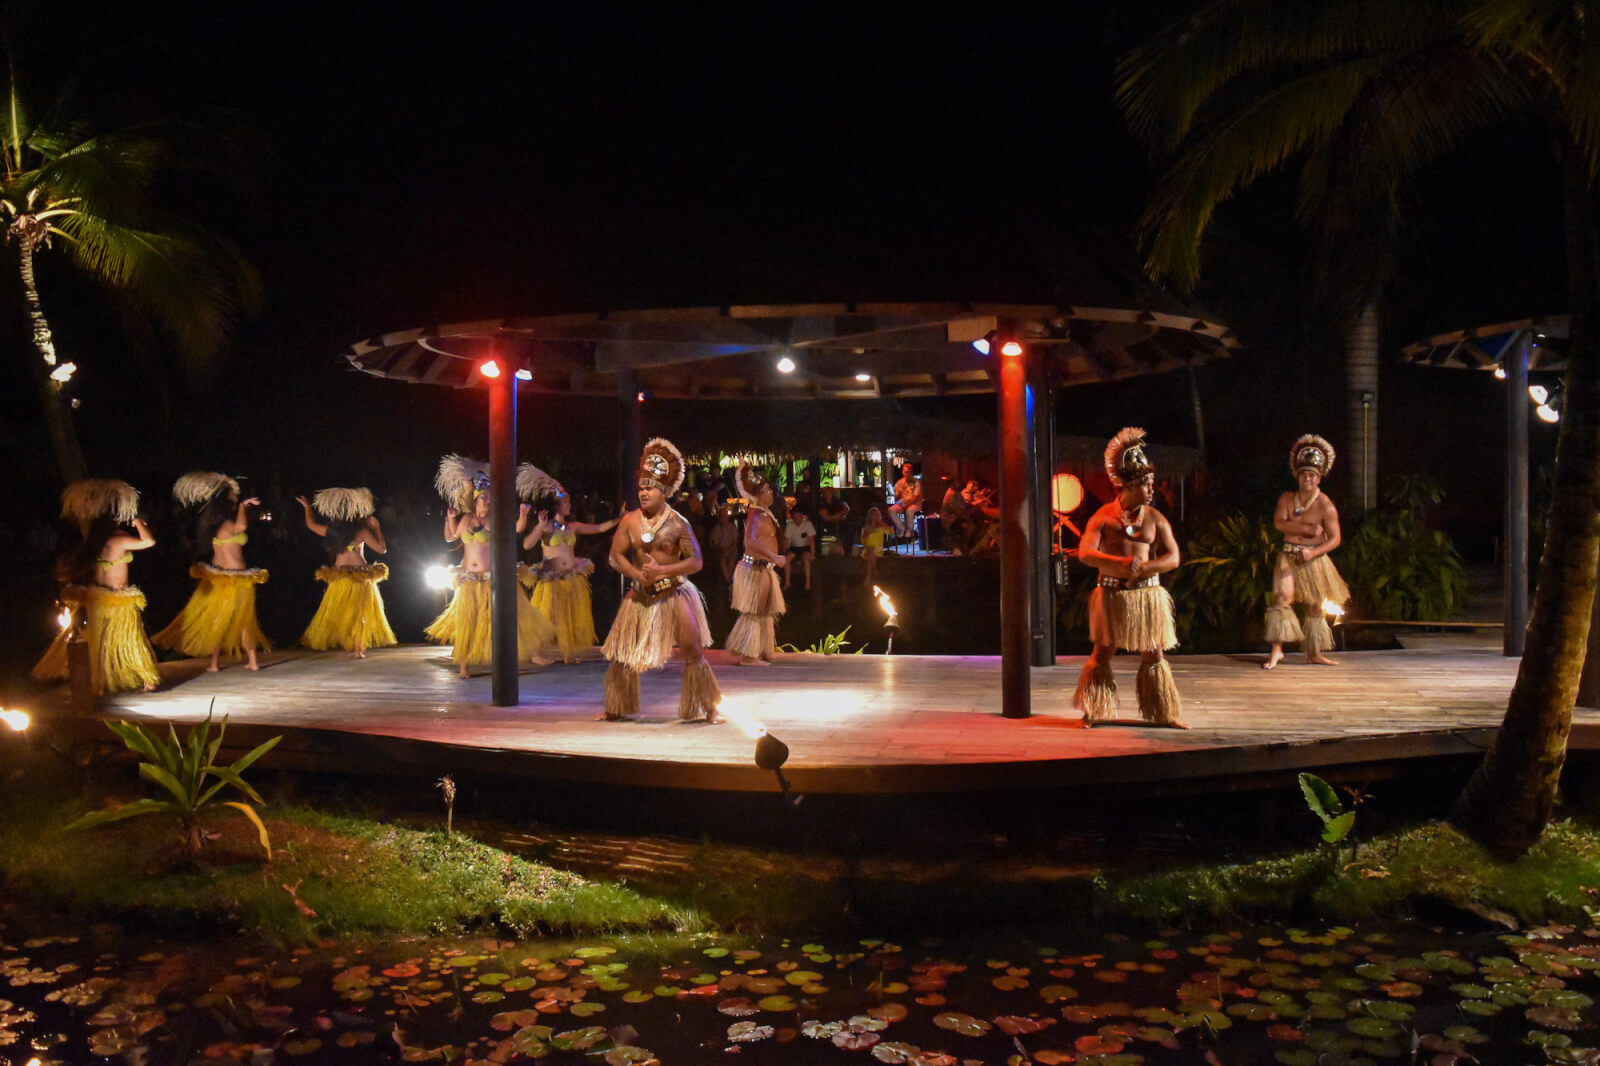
(902, 724)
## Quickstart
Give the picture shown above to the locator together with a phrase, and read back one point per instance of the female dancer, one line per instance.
(221, 615)
(467, 623)
(872, 534)
(351, 615)
(95, 579)
(561, 589)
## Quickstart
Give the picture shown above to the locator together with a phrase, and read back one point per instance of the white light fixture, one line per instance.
(1500, 373)
(1539, 393)
(64, 372)
(786, 365)
(437, 577)
(982, 345)
(524, 375)
(863, 378)
(1547, 413)
(17, 721)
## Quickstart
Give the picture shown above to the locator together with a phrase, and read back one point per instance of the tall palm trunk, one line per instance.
(1361, 405)
(1507, 804)
(63, 436)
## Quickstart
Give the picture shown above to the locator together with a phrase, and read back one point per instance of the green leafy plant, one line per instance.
(1324, 802)
(447, 785)
(187, 769)
(1397, 566)
(830, 644)
(1225, 581)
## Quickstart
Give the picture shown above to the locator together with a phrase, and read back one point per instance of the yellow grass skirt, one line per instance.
(1317, 581)
(563, 597)
(219, 617)
(467, 624)
(351, 614)
(120, 656)
(642, 637)
(1133, 619)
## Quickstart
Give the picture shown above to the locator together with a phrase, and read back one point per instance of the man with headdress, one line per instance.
(1304, 574)
(1131, 544)
(94, 577)
(351, 614)
(757, 595)
(655, 548)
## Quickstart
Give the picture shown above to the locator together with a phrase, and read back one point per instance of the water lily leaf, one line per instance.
(851, 1038)
(932, 999)
(1482, 1008)
(749, 1032)
(1295, 1056)
(1390, 1012)
(637, 995)
(737, 1007)
(409, 968)
(1017, 1025)
(310, 1044)
(628, 1055)
(1554, 1017)
(803, 977)
(715, 953)
(463, 962)
(488, 997)
(776, 1003)
(965, 1024)
(493, 978)
(1058, 993)
(594, 952)
(1096, 1044)
(1560, 997)
(896, 1053)
(579, 1039)
(1402, 989)
(667, 991)
(1010, 984)
(585, 1009)
(1052, 1058)
(820, 1030)
(889, 1012)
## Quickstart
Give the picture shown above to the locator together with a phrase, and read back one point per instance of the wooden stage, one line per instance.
(904, 724)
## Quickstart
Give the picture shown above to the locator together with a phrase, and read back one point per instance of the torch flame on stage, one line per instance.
(893, 624)
(1334, 611)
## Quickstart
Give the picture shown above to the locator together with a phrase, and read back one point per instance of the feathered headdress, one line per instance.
(1311, 452)
(535, 484)
(344, 505)
(460, 480)
(749, 481)
(84, 501)
(661, 466)
(194, 489)
(1125, 457)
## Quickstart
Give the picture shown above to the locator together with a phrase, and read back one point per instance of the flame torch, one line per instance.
(892, 626)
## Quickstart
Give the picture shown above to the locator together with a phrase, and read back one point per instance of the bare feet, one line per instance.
(463, 675)
(213, 668)
(252, 666)
(603, 717)
(1174, 725)
(1273, 660)
(151, 686)
(540, 660)
(1320, 660)
(746, 660)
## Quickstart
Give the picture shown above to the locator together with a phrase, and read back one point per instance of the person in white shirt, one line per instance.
(800, 535)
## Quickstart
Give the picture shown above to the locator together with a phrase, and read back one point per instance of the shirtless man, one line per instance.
(655, 548)
(756, 592)
(1131, 544)
(1304, 574)
(907, 502)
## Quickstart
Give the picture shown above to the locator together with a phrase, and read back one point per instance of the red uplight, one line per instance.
(489, 368)
(1011, 348)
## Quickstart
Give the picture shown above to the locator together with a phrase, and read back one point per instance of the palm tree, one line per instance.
(1364, 93)
(70, 188)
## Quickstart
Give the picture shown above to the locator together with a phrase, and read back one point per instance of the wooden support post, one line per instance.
(630, 411)
(1516, 517)
(1015, 580)
(503, 533)
(1042, 420)
(80, 673)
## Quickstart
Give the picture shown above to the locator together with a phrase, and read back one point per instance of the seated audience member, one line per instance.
(725, 541)
(955, 518)
(832, 512)
(799, 535)
(907, 502)
(985, 531)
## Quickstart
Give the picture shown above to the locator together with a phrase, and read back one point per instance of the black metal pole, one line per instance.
(503, 532)
(1516, 566)
(1041, 418)
(1015, 599)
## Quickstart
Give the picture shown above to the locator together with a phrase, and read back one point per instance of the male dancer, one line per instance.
(1304, 574)
(655, 548)
(757, 595)
(1131, 544)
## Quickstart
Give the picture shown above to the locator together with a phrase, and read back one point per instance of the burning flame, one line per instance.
(17, 720)
(1332, 610)
(64, 619)
(884, 601)
(742, 718)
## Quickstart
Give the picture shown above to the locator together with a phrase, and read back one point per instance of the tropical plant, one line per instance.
(86, 191)
(1399, 568)
(1226, 576)
(830, 644)
(1324, 802)
(187, 769)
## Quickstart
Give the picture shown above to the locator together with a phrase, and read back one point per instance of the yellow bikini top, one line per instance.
(475, 536)
(127, 557)
(352, 546)
(240, 538)
(560, 537)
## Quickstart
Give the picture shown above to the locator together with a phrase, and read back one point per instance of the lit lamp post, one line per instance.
(503, 533)
(1015, 630)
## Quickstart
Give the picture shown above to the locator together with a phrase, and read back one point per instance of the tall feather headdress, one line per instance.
(534, 484)
(661, 466)
(460, 479)
(749, 481)
(344, 505)
(84, 501)
(1311, 452)
(195, 488)
(1126, 460)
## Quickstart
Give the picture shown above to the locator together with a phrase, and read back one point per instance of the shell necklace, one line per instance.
(1134, 521)
(1300, 508)
(653, 525)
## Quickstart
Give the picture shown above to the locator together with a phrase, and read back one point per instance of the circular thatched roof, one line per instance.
(1483, 347)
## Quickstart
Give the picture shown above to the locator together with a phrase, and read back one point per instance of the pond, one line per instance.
(1399, 992)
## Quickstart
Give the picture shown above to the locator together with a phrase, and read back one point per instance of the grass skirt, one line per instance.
(120, 656)
(1133, 619)
(219, 617)
(563, 597)
(1096, 695)
(1158, 694)
(351, 615)
(467, 624)
(1282, 627)
(642, 637)
(756, 590)
(1316, 581)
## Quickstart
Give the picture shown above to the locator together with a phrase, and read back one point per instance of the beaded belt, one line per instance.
(1124, 584)
(474, 575)
(758, 564)
(1296, 549)
(655, 590)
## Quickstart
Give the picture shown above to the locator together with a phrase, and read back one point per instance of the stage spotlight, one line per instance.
(1500, 372)
(786, 365)
(981, 345)
(1011, 348)
(489, 369)
(1547, 413)
(771, 754)
(1539, 393)
(863, 378)
(18, 721)
(438, 577)
(524, 374)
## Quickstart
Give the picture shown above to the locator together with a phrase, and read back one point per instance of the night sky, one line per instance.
(484, 160)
